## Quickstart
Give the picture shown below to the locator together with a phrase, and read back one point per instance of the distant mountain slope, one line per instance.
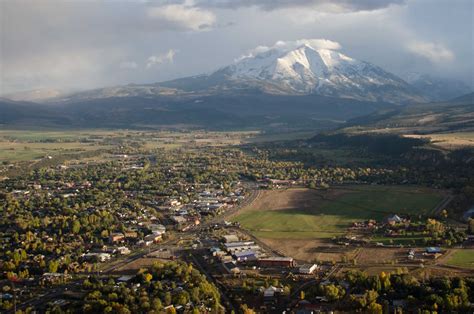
(241, 110)
(456, 114)
(22, 113)
(467, 99)
(438, 89)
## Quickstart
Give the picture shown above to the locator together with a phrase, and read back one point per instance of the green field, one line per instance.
(462, 258)
(30, 145)
(304, 213)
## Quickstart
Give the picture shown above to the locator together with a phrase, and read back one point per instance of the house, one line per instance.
(270, 293)
(230, 238)
(6, 296)
(395, 219)
(123, 250)
(153, 238)
(433, 250)
(233, 247)
(96, 257)
(231, 268)
(281, 182)
(217, 252)
(130, 234)
(116, 237)
(125, 278)
(179, 219)
(277, 261)
(54, 277)
(245, 256)
(307, 269)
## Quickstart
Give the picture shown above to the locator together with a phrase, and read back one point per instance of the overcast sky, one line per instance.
(74, 45)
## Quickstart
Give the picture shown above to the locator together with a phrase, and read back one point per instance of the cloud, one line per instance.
(128, 65)
(292, 44)
(435, 52)
(338, 6)
(167, 57)
(88, 44)
(183, 16)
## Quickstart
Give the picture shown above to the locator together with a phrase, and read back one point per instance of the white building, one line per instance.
(307, 269)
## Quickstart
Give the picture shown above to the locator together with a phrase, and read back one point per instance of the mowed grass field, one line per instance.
(305, 214)
(462, 258)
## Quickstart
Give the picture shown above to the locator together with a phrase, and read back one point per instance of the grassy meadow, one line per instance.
(304, 213)
(462, 258)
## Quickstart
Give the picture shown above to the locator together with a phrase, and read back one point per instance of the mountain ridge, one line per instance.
(300, 70)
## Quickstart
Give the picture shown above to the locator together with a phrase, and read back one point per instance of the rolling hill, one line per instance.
(454, 115)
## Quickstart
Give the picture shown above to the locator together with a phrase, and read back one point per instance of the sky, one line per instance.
(72, 45)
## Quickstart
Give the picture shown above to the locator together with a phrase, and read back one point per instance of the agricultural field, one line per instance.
(462, 258)
(321, 214)
(32, 145)
(17, 146)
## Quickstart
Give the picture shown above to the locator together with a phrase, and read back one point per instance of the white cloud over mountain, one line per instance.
(87, 44)
(183, 16)
(161, 58)
(435, 52)
(292, 44)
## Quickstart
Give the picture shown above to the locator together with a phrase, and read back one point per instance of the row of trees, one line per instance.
(376, 294)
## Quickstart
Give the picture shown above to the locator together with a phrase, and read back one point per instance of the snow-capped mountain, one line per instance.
(309, 70)
(303, 67)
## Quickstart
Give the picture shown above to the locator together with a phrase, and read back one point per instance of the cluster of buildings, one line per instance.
(268, 182)
(235, 254)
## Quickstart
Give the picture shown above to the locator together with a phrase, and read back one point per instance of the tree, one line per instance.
(333, 292)
(76, 226)
(171, 310)
(302, 296)
(167, 298)
(444, 213)
(147, 277)
(470, 227)
(157, 306)
(371, 296)
(246, 310)
(374, 308)
(53, 266)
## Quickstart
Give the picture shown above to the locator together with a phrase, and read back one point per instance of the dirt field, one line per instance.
(368, 256)
(305, 250)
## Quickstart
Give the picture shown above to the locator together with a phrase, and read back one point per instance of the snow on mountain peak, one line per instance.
(316, 66)
(303, 65)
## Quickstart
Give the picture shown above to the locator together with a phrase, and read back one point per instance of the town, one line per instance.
(78, 232)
